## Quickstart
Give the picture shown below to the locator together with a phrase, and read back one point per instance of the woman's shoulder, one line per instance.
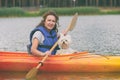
(38, 33)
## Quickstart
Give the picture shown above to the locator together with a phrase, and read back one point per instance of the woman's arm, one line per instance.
(34, 47)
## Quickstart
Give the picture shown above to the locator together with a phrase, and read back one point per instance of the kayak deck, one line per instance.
(78, 62)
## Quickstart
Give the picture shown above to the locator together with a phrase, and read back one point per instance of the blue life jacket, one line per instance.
(49, 40)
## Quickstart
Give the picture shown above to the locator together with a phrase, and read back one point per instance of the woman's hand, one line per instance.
(64, 32)
(48, 53)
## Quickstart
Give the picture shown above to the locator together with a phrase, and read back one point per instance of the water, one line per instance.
(96, 34)
(62, 76)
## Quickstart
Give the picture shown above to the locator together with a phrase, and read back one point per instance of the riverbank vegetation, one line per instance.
(19, 12)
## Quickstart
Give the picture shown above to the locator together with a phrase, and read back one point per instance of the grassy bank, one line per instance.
(71, 11)
(6, 12)
(16, 12)
(19, 12)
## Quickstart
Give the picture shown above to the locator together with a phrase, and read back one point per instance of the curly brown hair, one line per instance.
(45, 16)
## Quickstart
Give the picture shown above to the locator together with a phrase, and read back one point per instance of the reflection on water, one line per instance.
(62, 76)
(79, 76)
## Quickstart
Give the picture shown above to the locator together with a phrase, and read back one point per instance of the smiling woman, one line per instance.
(43, 37)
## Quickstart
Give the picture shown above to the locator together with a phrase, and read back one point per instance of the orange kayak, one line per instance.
(78, 62)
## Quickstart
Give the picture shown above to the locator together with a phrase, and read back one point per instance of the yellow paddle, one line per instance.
(33, 72)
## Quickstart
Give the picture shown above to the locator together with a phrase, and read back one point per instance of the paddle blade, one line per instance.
(31, 74)
(73, 22)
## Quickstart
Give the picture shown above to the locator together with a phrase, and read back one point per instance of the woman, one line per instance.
(43, 37)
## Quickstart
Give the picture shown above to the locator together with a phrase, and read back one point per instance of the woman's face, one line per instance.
(50, 22)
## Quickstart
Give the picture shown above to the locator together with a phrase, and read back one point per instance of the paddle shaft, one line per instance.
(40, 64)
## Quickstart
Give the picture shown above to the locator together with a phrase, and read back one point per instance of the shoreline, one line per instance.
(20, 12)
